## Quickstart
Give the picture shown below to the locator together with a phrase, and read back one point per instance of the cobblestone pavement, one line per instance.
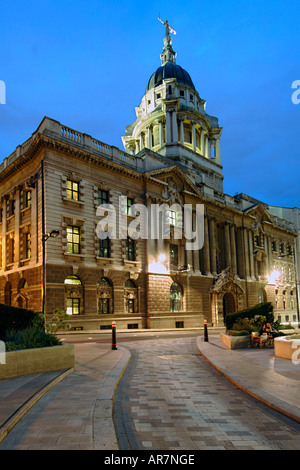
(170, 398)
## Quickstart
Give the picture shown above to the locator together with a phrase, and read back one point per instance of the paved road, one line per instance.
(170, 398)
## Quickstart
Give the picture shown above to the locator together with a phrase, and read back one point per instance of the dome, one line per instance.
(170, 70)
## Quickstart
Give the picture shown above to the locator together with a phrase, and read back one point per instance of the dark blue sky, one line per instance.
(87, 64)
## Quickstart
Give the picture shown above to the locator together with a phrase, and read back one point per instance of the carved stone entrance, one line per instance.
(226, 295)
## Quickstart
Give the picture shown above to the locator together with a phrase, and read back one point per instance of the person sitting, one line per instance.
(272, 333)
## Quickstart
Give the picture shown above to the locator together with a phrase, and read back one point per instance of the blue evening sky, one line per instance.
(87, 64)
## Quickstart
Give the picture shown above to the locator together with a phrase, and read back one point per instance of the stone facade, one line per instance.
(58, 179)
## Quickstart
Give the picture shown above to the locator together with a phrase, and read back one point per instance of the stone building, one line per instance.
(140, 276)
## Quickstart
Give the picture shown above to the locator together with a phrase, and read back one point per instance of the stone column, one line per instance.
(212, 244)
(227, 246)
(181, 132)
(194, 136)
(141, 141)
(202, 143)
(206, 248)
(149, 137)
(161, 134)
(270, 259)
(4, 228)
(168, 127)
(174, 127)
(246, 252)
(233, 249)
(17, 228)
(252, 272)
(218, 151)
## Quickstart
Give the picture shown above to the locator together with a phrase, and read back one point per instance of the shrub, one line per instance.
(15, 318)
(32, 337)
(264, 309)
(58, 322)
(244, 324)
(237, 332)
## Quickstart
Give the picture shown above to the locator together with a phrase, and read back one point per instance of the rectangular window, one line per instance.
(72, 190)
(130, 249)
(27, 245)
(172, 217)
(73, 239)
(28, 199)
(11, 207)
(103, 306)
(103, 197)
(174, 257)
(73, 306)
(130, 203)
(130, 306)
(104, 248)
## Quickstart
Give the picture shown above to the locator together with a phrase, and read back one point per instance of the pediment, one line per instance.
(226, 282)
(175, 183)
(260, 215)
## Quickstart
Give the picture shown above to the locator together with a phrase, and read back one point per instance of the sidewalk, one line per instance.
(72, 408)
(272, 380)
(76, 409)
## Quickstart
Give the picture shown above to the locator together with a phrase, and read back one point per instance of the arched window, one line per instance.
(74, 280)
(130, 297)
(176, 296)
(105, 296)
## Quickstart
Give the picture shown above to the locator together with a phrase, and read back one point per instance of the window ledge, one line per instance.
(74, 255)
(133, 263)
(72, 201)
(103, 258)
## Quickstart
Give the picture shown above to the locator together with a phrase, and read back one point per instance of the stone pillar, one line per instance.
(227, 246)
(161, 134)
(233, 249)
(4, 228)
(149, 137)
(194, 136)
(174, 127)
(252, 272)
(246, 252)
(181, 132)
(141, 141)
(218, 152)
(206, 248)
(168, 127)
(17, 228)
(202, 142)
(212, 244)
(270, 258)
(34, 225)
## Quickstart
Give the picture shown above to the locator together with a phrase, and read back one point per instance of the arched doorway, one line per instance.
(228, 304)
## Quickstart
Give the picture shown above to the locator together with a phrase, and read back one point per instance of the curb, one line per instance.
(267, 399)
(104, 433)
(22, 410)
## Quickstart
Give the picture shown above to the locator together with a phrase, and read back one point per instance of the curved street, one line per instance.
(170, 398)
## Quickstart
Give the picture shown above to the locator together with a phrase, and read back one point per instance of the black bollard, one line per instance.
(205, 331)
(113, 336)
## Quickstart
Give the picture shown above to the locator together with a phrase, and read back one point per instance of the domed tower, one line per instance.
(171, 121)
